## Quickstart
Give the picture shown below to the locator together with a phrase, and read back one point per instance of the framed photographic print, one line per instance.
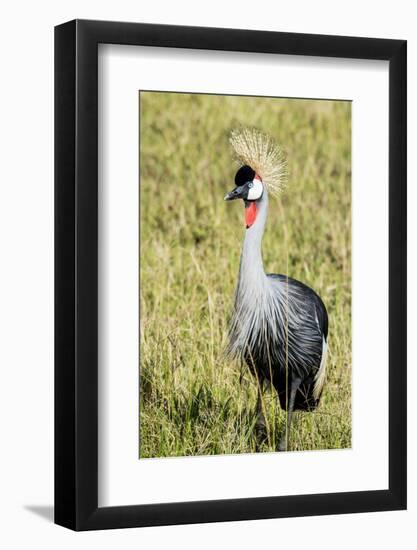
(230, 247)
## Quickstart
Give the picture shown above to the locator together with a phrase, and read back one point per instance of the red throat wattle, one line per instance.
(250, 214)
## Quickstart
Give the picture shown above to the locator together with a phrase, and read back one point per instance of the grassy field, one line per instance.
(193, 401)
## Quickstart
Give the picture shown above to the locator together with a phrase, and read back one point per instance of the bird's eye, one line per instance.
(255, 190)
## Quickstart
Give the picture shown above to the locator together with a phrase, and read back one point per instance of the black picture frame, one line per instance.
(76, 272)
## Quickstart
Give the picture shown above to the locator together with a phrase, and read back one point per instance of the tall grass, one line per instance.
(193, 401)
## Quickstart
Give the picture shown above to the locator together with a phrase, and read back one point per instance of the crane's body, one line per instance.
(279, 325)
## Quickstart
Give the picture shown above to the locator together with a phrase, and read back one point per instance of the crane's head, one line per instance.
(262, 169)
(250, 189)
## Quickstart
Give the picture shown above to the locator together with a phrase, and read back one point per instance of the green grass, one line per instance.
(192, 400)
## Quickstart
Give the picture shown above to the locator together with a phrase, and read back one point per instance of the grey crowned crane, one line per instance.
(279, 325)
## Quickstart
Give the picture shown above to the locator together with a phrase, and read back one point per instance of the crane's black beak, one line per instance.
(237, 193)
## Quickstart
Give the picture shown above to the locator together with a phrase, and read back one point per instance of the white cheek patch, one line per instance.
(255, 192)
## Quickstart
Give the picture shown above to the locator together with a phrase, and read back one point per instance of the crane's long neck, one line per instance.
(252, 308)
(252, 273)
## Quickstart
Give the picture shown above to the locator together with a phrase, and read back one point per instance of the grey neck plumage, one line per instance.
(251, 272)
(256, 301)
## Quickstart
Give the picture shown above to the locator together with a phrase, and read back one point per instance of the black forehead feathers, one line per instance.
(243, 175)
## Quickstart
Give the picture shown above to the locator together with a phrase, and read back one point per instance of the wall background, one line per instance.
(26, 287)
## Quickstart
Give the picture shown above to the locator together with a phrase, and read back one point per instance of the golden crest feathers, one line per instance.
(262, 154)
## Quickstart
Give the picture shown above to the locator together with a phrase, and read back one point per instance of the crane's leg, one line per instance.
(283, 443)
(260, 426)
